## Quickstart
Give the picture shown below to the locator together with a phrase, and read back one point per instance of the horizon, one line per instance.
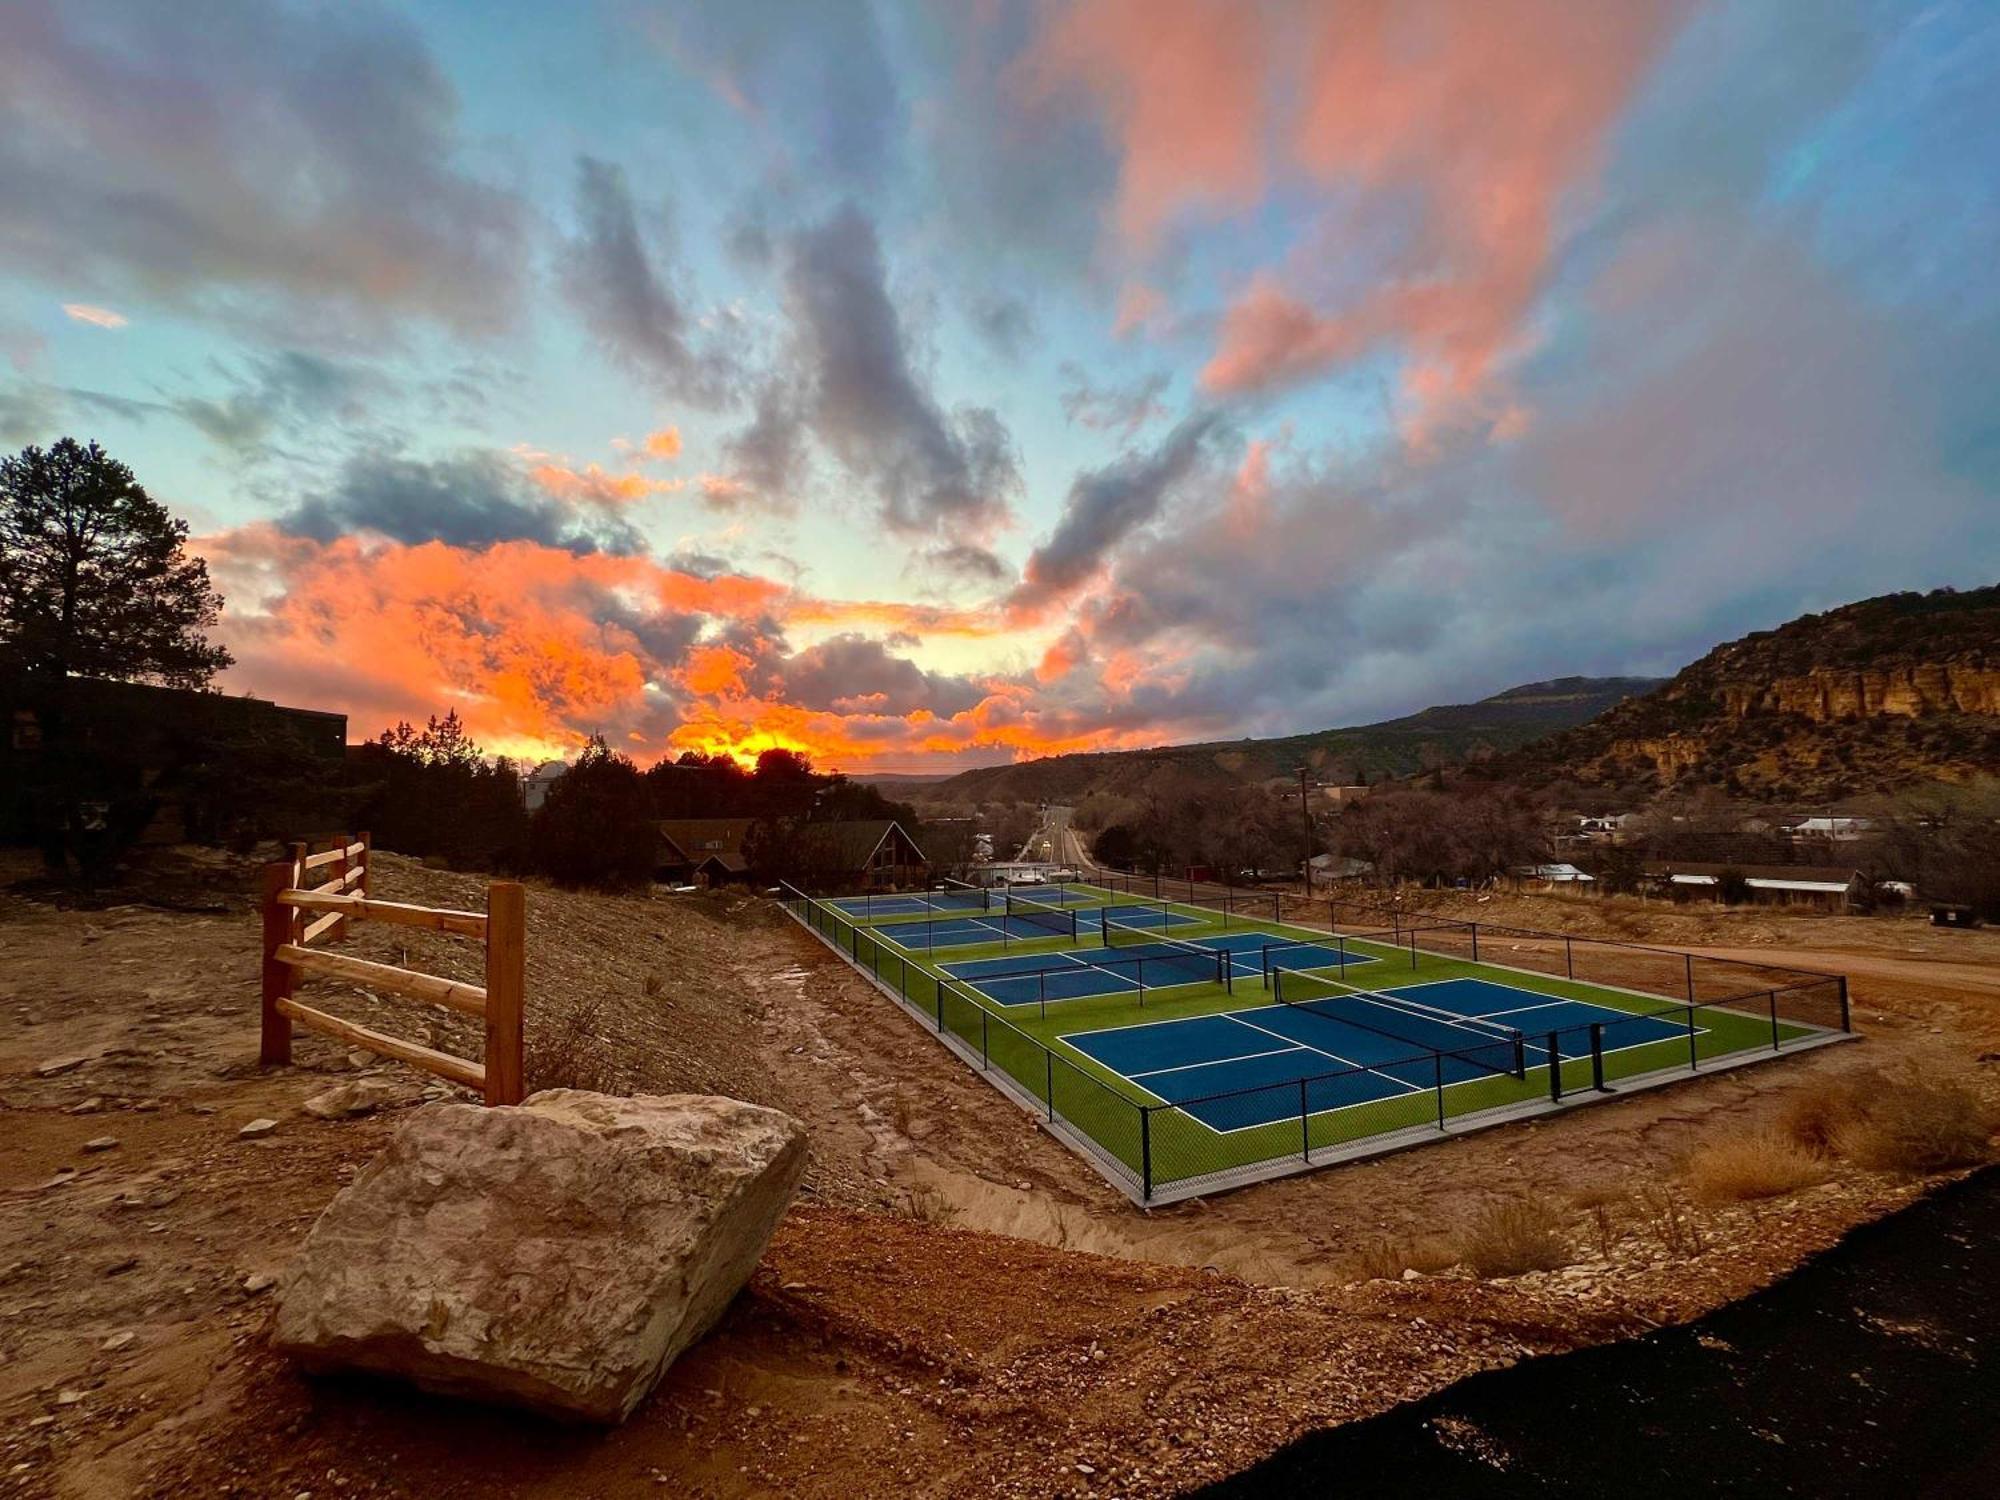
(925, 391)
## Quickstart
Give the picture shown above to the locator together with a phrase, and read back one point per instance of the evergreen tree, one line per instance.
(95, 579)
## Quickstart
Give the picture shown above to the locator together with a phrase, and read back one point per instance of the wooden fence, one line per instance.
(298, 914)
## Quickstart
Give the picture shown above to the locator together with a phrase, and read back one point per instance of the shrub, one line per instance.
(1920, 1125)
(566, 1049)
(1814, 1115)
(1512, 1235)
(1763, 1164)
(1386, 1258)
(596, 826)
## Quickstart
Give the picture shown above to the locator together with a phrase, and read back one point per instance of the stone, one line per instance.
(558, 1255)
(59, 1065)
(258, 1282)
(88, 1106)
(101, 1143)
(257, 1128)
(118, 1341)
(360, 1096)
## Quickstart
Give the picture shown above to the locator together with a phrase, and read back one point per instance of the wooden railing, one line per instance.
(298, 913)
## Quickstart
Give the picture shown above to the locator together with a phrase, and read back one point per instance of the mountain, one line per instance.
(1885, 693)
(1395, 747)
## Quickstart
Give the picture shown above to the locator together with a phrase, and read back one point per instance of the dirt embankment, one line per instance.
(956, 1306)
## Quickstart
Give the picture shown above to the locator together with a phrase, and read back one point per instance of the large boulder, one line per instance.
(558, 1255)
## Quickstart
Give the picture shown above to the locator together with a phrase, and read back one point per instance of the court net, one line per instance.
(1483, 1044)
(1057, 921)
(961, 895)
(1190, 961)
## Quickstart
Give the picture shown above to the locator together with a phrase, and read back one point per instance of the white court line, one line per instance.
(1216, 1062)
(1345, 1062)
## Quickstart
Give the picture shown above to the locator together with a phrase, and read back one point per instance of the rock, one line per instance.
(258, 1281)
(58, 1065)
(360, 1057)
(101, 1143)
(257, 1128)
(558, 1255)
(88, 1106)
(68, 1397)
(118, 1341)
(359, 1097)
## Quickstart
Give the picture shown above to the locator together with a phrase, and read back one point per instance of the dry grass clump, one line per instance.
(1387, 1258)
(1909, 1122)
(1761, 1164)
(567, 1049)
(1512, 1235)
(1923, 1125)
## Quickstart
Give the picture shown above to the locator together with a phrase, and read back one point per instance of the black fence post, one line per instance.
(1049, 1082)
(1305, 1125)
(1569, 959)
(1340, 943)
(1437, 1066)
(1774, 1022)
(1555, 1068)
(1475, 942)
(1694, 1056)
(1846, 1022)
(1413, 950)
(983, 1044)
(1690, 974)
(1597, 1057)
(1146, 1153)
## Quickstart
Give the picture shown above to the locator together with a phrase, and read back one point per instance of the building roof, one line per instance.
(1702, 872)
(695, 839)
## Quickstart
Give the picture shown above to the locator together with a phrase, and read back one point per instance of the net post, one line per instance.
(1694, 1056)
(1775, 1047)
(1049, 1081)
(1597, 1057)
(1846, 1021)
(1555, 1069)
(1340, 943)
(1146, 1153)
(1305, 1126)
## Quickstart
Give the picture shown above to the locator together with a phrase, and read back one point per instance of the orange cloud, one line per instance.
(666, 443)
(597, 486)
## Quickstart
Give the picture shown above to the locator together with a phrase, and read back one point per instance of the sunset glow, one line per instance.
(928, 386)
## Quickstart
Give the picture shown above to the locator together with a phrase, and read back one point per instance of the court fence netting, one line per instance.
(1159, 1152)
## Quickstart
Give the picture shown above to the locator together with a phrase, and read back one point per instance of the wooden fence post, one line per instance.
(338, 932)
(275, 1047)
(506, 985)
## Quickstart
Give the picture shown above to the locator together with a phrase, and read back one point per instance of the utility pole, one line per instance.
(1306, 812)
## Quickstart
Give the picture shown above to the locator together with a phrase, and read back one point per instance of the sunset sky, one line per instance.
(932, 384)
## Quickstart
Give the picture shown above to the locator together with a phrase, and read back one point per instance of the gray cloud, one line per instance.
(1122, 410)
(769, 454)
(855, 674)
(205, 154)
(1106, 505)
(1007, 324)
(628, 301)
(472, 499)
(933, 472)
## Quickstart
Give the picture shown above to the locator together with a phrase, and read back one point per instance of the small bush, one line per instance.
(1669, 1220)
(1814, 1116)
(1387, 1258)
(1513, 1235)
(566, 1049)
(1920, 1125)
(1763, 1164)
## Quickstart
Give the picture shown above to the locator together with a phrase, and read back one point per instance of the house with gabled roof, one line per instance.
(704, 850)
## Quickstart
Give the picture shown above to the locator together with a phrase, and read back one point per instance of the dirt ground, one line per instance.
(956, 1305)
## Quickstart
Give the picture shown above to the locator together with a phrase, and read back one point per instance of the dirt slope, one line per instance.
(929, 1320)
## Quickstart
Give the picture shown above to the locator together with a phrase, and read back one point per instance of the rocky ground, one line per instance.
(955, 1305)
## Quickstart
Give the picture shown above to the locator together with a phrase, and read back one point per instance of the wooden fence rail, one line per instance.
(296, 915)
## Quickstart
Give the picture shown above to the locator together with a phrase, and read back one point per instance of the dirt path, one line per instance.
(956, 1306)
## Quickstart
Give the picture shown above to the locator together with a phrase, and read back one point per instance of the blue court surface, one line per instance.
(1247, 952)
(965, 931)
(1030, 978)
(912, 904)
(1243, 1069)
(1137, 916)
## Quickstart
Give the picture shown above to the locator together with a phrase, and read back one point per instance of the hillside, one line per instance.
(1394, 747)
(1889, 692)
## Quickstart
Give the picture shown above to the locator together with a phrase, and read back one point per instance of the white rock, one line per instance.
(558, 1255)
(358, 1097)
(101, 1143)
(58, 1065)
(259, 1281)
(257, 1128)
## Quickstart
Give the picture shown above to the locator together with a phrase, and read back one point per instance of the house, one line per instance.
(1554, 874)
(1327, 867)
(704, 850)
(1830, 888)
(1833, 829)
(865, 854)
(535, 785)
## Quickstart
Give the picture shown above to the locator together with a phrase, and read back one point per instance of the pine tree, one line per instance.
(95, 580)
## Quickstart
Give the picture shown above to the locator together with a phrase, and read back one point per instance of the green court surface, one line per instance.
(1159, 1042)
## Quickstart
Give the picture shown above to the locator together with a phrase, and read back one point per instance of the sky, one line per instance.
(935, 384)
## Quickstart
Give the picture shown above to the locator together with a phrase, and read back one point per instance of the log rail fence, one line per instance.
(316, 895)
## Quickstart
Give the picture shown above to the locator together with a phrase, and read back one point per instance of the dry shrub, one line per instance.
(654, 986)
(1387, 1258)
(1814, 1115)
(567, 1049)
(1761, 1164)
(1919, 1125)
(1669, 1221)
(1512, 1235)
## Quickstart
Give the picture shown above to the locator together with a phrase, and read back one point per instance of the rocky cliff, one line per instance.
(1884, 693)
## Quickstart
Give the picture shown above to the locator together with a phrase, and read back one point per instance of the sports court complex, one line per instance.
(1190, 1040)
